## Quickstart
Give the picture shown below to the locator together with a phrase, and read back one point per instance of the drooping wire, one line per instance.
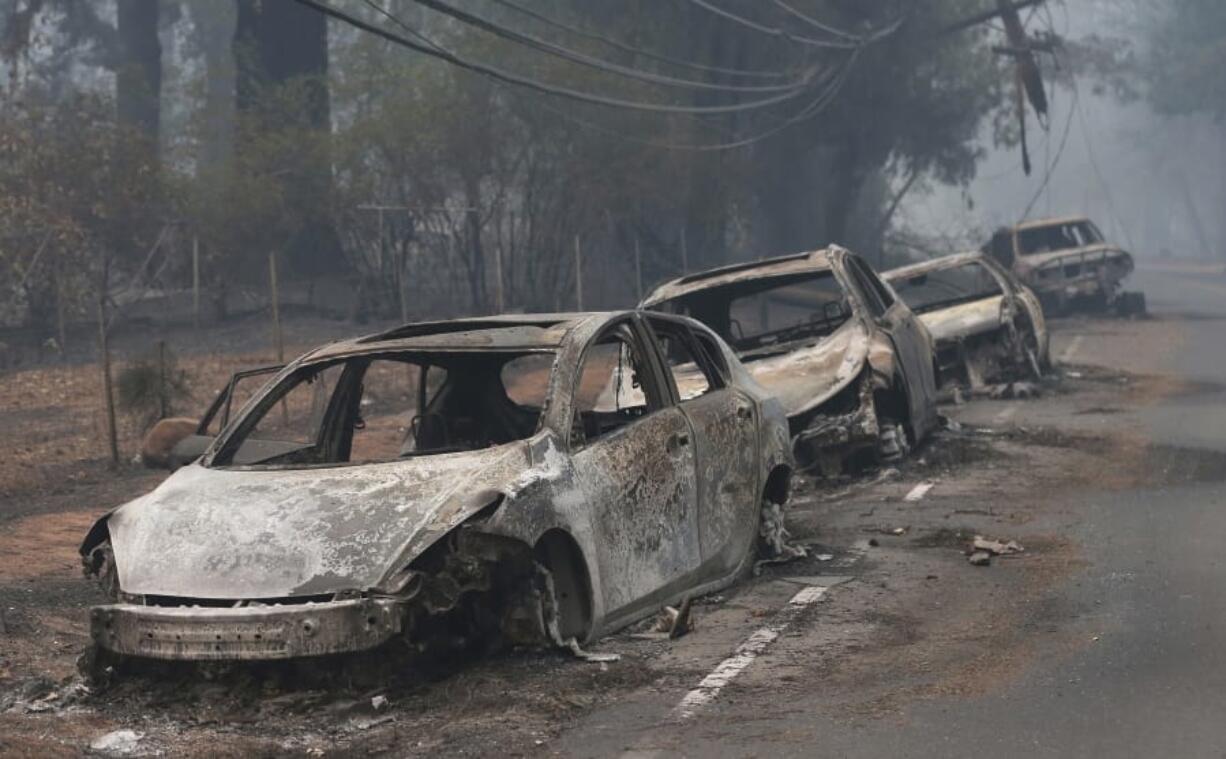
(815, 23)
(783, 34)
(834, 86)
(550, 48)
(634, 50)
(434, 50)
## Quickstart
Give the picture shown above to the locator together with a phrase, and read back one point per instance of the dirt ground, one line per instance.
(915, 622)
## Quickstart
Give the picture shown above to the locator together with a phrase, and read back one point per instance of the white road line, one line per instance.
(1072, 349)
(919, 491)
(754, 645)
(1006, 414)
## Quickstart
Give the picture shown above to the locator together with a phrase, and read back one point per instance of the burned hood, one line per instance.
(964, 319)
(262, 534)
(811, 373)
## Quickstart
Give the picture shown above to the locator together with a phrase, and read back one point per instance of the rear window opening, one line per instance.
(946, 288)
(1038, 240)
(384, 407)
(757, 315)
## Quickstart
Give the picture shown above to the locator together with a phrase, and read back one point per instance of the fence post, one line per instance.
(196, 282)
(276, 306)
(104, 346)
(578, 274)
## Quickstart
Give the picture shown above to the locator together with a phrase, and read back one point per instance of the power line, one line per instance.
(434, 50)
(815, 23)
(559, 51)
(1051, 166)
(634, 50)
(775, 32)
(836, 83)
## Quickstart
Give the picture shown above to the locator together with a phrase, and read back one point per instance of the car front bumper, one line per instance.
(192, 633)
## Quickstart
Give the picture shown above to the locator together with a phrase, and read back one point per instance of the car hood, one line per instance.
(964, 319)
(263, 534)
(811, 374)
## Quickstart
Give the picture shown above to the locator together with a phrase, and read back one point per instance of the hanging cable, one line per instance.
(434, 50)
(550, 48)
(793, 11)
(778, 33)
(836, 81)
(633, 50)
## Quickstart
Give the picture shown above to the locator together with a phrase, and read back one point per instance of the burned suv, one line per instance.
(547, 478)
(852, 365)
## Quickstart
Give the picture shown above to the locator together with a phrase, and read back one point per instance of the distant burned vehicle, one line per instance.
(988, 327)
(1068, 264)
(850, 362)
(545, 478)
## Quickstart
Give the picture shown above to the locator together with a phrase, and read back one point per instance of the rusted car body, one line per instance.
(550, 477)
(1066, 262)
(850, 362)
(988, 327)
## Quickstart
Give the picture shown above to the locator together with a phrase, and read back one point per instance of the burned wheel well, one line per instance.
(778, 485)
(560, 554)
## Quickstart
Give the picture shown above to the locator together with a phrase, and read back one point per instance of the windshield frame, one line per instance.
(221, 453)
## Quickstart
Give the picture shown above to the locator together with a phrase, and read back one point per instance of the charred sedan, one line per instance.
(850, 362)
(534, 477)
(1068, 263)
(988, 327)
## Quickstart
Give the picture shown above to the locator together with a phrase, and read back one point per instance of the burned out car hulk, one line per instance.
(1068, 264)
(988, 327)
(539, 478)
(850, 362)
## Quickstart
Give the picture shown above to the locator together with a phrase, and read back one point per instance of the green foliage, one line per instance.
(1188, 58)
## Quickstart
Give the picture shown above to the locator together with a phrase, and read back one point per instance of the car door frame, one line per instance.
(673, 586)
(728, 555)
(894, 318)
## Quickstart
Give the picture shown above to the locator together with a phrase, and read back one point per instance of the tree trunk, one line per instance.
(214, 25)
(138, 78)
(282, 47)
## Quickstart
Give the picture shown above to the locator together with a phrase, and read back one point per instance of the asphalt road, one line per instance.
(1135, 662)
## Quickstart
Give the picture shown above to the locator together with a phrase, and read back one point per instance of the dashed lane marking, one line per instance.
(746, 653)
(919, 491)
(1072, 349)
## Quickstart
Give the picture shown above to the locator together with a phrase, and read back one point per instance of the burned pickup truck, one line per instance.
(1068, 264)
(988, 327)
(527, 478)
(850, 362)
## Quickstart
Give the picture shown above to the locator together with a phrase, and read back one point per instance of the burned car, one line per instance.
(850, 362)
(547, 478)
(1068, 264)
(988, 327)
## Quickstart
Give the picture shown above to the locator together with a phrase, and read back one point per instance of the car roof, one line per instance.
(934, 264)
(1051, 222)
(507, 332)
(818, 260)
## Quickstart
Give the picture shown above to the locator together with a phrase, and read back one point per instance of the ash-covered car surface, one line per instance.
(988, 327)
(1068, 263)
(851, 363)
(538, 478)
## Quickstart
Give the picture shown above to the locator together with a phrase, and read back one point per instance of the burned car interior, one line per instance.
(756, 316)
(381, 407)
